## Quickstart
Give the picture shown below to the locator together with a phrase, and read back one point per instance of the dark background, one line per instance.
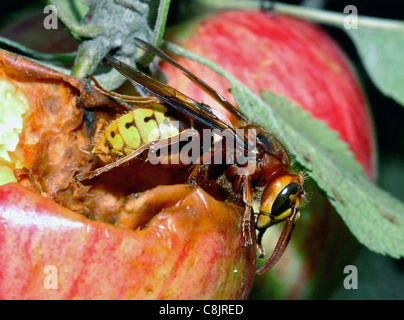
(378, 277)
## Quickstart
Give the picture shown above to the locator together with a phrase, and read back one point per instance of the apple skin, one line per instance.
(298, 60)
(185, 251)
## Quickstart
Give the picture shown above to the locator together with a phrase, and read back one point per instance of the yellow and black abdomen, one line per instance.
(135, 129)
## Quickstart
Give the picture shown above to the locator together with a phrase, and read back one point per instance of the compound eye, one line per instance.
(285, 199)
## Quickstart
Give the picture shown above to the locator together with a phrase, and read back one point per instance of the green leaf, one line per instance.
(374, 217)
(382, 50)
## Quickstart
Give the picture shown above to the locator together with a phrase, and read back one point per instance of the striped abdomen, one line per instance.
(135, 129)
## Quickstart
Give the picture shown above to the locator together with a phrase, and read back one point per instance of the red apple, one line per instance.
(298, 60)
(171, 242)
(287, 56)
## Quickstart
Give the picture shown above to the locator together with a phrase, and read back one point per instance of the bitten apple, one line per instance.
(121, 236)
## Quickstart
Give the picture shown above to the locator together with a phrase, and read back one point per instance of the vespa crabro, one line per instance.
(266, 163)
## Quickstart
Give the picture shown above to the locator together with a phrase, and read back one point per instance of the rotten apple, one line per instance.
(298, 60)
(120, 236)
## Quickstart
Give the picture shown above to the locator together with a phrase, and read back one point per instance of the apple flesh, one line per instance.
(299, 61)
